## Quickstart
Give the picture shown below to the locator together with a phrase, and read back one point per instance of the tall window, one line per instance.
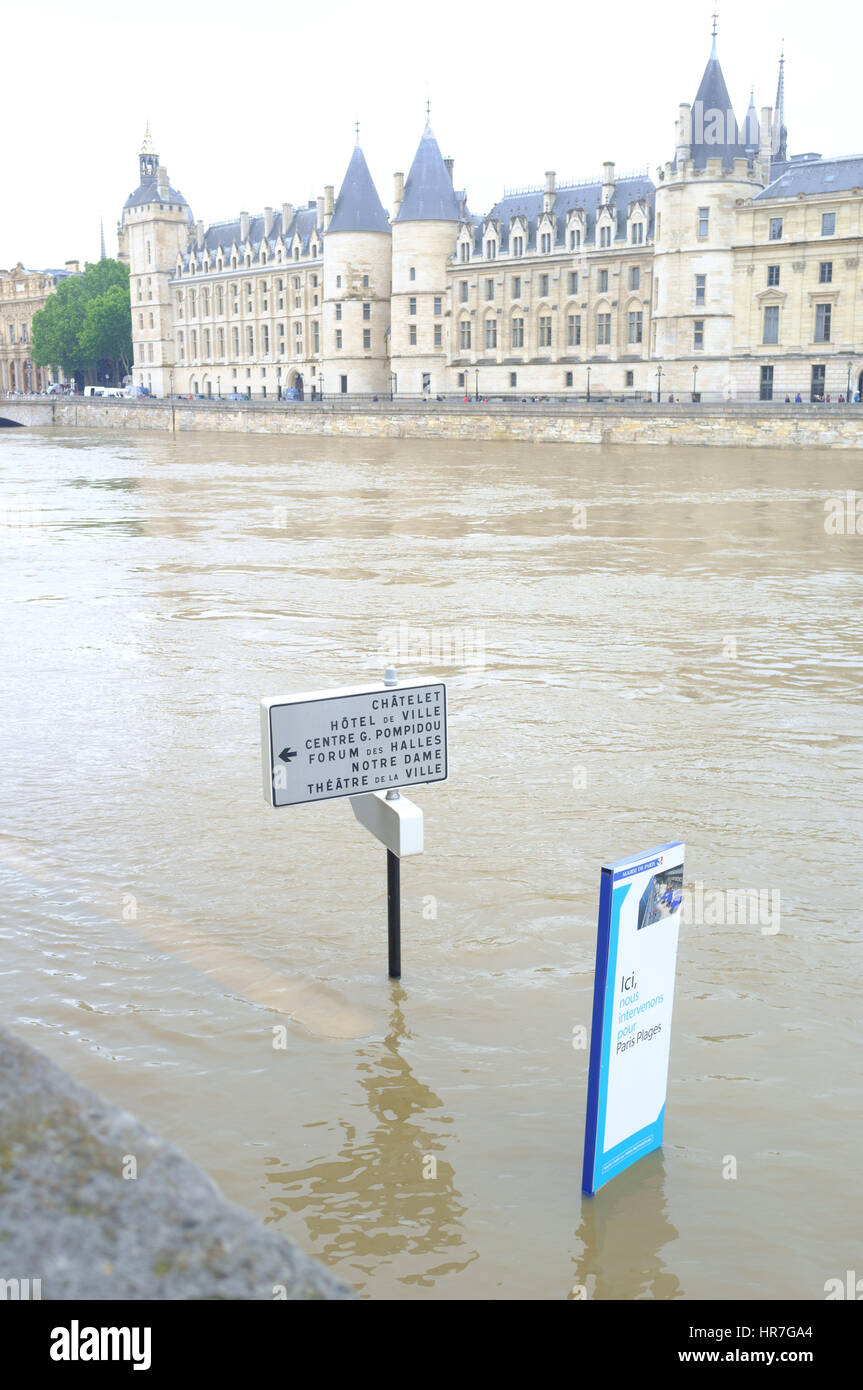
(338, 339)
(465, 251)
(518, 246)
(773, 275)
(516, 287)
(338, 313)
(765, 392)
(603, 330)
(700, 288)
(698, 335)
(823, 314)
(775, 229)
(412, 304)
(636, 326)
(367, 337)
(825, 272)
(491, 249)
(518, 333)
(545, 243)
(367, 311)
(771, 324)
(605, 236)
(412, 273)
(634, 277)
(573, 330)
(438, 335)
(438, 304)
(464, 334)
(574, 239)
(491, 333)
(489, 289)
(412, 335)
(235, 342)
(603, 282)
(545, 330)
(637, 233)
(543, 286)
(462, 291)
(573, 282)
(250, 342)
(266, 344)
(316, 336)
(703, 222)
(828, 223)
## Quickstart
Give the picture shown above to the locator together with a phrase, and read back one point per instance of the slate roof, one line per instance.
(586, 196)
(148, 192)
(429, 195)
(813, 176)
(712, 96)
(226, 234)
(358, 207)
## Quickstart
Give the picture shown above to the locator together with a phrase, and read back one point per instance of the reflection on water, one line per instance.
(387, 1196)
(686, 663)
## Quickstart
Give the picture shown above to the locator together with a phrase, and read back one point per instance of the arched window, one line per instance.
(491, 332)
(464, 335)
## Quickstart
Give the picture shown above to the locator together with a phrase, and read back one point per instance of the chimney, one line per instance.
(607, 181)
(450, 164)
(268, 221)
(320, 218)
(287, 217)
(398, 192)
(329, 204)
(549, 195)
(199, 234)
(162, 184)
(244, 228)
(683, 143)
(765, 153)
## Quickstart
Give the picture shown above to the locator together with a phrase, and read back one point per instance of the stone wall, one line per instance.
(774, 426)
(95, 1206)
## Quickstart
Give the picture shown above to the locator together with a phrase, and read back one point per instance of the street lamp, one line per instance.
(694, 379)
(658, 385)
(848, 387)
(219, 387)
(321, 387)
(588, 385)
(476, 384)
(171, 380)
(392, 385)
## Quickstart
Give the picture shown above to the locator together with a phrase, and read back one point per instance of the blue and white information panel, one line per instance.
(633, 996)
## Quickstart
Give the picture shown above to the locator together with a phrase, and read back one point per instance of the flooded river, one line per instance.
(639, 646)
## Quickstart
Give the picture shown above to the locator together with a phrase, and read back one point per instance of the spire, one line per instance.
(102, 237)
(148, 160)
(147, 142)
(358, 207)
(780, 133)
(715, 133)
(751, 132)
(429, 195)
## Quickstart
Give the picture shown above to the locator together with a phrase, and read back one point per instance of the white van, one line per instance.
(115, 392)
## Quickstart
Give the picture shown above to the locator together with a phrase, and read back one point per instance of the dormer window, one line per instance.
(518, 246)
(605, 235)
(465, 251)
(574, 239)
(637, 233)
(545, 243)
(490, 249)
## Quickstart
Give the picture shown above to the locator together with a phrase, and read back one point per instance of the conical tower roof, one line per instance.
(715, 134)
(429, 195)
(358, 207)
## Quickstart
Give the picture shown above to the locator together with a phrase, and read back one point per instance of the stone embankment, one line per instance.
(75, 1223)
(732, 425)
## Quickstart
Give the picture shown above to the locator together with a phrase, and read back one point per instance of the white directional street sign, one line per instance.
(346, 742)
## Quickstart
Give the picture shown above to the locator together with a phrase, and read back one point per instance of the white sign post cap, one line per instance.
(397, 823)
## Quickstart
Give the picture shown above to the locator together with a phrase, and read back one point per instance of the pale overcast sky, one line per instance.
(255, 106)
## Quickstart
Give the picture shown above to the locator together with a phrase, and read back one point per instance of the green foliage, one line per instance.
(86, 321)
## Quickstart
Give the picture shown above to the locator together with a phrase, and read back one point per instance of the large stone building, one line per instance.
(22, 294)
(736, 274)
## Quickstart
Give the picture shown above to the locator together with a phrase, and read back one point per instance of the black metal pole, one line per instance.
(394, 915)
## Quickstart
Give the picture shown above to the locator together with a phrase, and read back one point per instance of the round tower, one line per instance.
(715, 167)
(357, 284)
(424, 235)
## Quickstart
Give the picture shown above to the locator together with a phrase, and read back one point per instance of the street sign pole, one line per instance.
(362, 743)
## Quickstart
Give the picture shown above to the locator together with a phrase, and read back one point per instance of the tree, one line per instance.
(86, 322)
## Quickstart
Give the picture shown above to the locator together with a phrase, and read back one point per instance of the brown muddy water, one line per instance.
(682, 658)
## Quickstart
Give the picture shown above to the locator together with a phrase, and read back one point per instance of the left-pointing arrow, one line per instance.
(286, 754)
